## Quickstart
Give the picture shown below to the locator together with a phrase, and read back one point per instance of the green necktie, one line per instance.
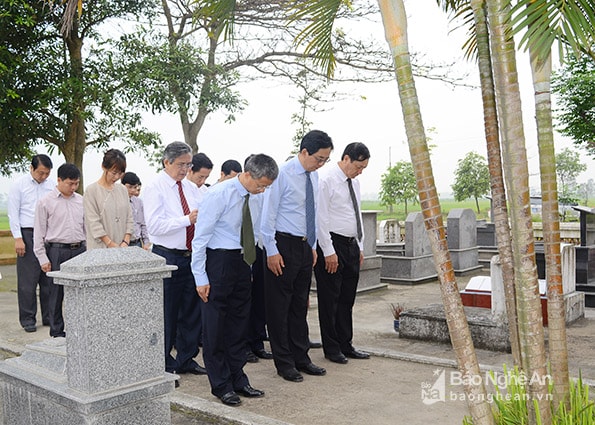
(247, 235)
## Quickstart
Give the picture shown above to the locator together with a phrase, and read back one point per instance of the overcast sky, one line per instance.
(372, 116)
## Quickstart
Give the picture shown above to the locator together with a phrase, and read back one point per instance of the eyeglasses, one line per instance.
(320, 159)
(181, 165)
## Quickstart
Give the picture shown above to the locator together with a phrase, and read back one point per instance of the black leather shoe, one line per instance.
(248, 391)
(356, 354)
(30, 328)
(315, 344)
(263, 354)
(312, 369)
(231, 399)
(291, 375)
(251, 357)
(337, 358)
(195, 370)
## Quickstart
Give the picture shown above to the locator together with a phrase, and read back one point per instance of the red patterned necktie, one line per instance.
(189, 229)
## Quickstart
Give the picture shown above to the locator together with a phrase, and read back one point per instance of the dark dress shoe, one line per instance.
(30, 328)
(263, 354)
(231, 399)
(337, 358)
(248, 391)
(251, 357)
(291, 375)
(356, 354)
(312, 369)
(315, 344)
(195, 370)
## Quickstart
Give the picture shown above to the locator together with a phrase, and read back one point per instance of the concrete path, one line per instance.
(395, 386)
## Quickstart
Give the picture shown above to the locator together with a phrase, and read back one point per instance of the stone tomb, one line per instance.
(412, 262)
(109, 369)
(485, 308)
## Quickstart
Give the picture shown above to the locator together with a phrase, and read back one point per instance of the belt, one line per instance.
(289, 235)
(179, 252)
(236, 251)
(344, 239)
(75, 245)
(27, 228)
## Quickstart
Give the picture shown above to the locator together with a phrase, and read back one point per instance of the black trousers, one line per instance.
(336, 296)
(225, 320)
(286, 301)
(29, 275)
(257, 326)
(181, 313)
(57, 256)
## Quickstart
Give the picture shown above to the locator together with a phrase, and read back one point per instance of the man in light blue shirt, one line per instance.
(290, 243)
(221, 267)
(23, 196)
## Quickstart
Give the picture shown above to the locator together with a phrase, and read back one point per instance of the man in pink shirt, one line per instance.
(59, 235)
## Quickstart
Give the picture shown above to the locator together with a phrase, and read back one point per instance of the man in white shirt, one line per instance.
(340, 252)
(171, 209)
(23, 196)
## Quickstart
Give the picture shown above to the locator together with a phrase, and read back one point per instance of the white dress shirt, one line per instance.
(335, 210)
(23, 196)
(165, 219)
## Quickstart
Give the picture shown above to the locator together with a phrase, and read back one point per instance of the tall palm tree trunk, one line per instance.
(516, 172)
(558, 351)
(395, 25)
(490, 114)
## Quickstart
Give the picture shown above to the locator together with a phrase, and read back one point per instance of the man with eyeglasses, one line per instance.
(23, 196)
(288, 230)
(223, 252)
(171, 209)
(340, 252)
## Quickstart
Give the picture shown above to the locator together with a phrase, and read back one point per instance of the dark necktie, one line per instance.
(247, 234)
(310, 214)
(189, 229)
(356, 209)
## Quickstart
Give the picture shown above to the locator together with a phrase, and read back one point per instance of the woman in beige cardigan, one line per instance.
(108, 216)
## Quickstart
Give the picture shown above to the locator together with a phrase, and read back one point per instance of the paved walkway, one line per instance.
(385, 389)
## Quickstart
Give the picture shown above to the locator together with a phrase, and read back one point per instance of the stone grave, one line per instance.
(412, 262)
(110, 367)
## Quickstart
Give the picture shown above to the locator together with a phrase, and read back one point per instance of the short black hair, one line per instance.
(130, 178)
(68, 171)
(200, 160)
(315, 140)
(356, 151)
(231, 165)
(42, 159)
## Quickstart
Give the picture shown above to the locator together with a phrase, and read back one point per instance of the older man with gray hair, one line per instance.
(171, 210)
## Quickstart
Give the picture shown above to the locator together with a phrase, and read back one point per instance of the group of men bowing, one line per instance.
(249, 244)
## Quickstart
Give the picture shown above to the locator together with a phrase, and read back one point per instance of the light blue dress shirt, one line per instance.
(284, 208)
(219, 224)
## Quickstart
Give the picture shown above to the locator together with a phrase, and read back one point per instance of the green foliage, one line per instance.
(568, 167)
(50, 88)
(510, 403)
(398, 185)
(472, 178)
(574, 86)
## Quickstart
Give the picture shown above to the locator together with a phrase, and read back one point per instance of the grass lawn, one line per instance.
(4, 220)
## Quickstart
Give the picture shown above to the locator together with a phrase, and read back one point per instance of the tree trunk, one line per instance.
(492, 131)
(75, 142)
(395, 25)
(516, 172)
(558, 351)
